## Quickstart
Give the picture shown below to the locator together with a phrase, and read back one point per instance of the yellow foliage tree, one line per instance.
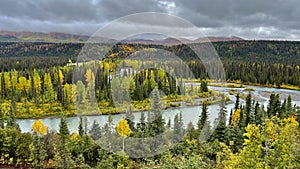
(61, 77)
(123, 129)
(39, 128)
(90, 77)
(37, 81)
(235, 117)
(23, 86)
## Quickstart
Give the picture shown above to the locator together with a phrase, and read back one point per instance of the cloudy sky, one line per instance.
(250, 19)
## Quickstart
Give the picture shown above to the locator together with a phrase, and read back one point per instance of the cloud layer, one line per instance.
(255, 19)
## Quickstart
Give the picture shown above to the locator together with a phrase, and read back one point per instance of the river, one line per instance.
(190, 114)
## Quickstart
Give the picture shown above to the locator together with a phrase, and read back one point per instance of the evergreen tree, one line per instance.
(237, 102)
(242, 119)
(274, 105)
(80, 127)
(223, 111)
(248, 109)
(178, 127)
(11, 121)
(203, 86)
(141, 126)
(289, 105)
(95, 131)
(63, 156)
(1, 118)
(156, 121)
(130, 119)
(48, 90)
(221, 127)
(230, 118)
(80, 92)
(258, 114)
(192, 134)
(3, 86)
(63, 127)
(203, 117)
(282, 112)
(38, 152)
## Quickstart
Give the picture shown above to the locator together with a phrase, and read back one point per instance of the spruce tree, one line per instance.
(242, 119)
(178, 127)
(3, 87)
(141, 126)
(63, 156)
(156, 121)
(203, 117)
(237, 102)
(223, 111)
(230, 118)
(11, 121)
(221, 128)
(130, 119)
(80, 127)
(203, 86)
(258, 114)
(63, 127)
(1, 118)
(191, 131)
(38, 152)
(95, 131)
(248, 109)
(282, 112)
(289, 105)
(274, 106)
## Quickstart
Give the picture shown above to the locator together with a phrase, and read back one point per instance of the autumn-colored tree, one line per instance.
(39, 128)
(60, 82)
(123, 129)
(37, 82)
(23, 86)
(235, 117)
(48, 90)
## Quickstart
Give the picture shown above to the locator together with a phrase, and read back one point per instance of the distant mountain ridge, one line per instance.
(12, 36)
(40, 37)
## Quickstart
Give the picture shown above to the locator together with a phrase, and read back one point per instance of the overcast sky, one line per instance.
(250, 19)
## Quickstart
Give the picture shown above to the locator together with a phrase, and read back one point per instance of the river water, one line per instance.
(190, 114)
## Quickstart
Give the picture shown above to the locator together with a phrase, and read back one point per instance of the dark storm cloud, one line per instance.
(259, 19)
(252, 19)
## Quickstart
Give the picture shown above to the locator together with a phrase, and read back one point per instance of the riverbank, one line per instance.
(240, 84)
(282, 86)
(190, 112)
(174, 101)
(32, 111)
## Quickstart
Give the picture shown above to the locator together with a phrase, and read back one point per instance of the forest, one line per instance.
(40, 80)
(253, 137)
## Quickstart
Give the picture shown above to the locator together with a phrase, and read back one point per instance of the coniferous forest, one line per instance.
(37, 81)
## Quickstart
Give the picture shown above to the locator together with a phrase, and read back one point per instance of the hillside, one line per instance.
(253, 51)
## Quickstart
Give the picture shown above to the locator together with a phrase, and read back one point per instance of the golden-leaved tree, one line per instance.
(123, 129)
(39, 127)
(273, 144)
